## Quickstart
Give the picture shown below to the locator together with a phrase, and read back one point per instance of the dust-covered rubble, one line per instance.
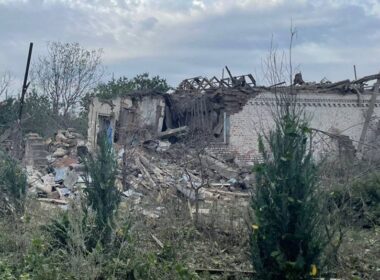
(147, 174)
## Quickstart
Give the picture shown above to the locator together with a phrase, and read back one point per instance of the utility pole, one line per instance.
(26, 84)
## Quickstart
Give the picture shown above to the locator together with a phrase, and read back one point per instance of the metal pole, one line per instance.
(25, 85)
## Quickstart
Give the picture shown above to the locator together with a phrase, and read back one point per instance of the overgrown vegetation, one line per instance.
(89, 240)
(360, 200)
(37, 108)
(298, 222)
(12, 186)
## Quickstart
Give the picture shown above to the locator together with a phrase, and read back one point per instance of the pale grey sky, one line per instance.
(178, 39)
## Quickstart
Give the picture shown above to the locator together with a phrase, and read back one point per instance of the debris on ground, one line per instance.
(148, 173)
(56, 177)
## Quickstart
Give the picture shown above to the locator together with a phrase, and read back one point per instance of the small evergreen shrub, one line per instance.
(101, 191)
(287, 230)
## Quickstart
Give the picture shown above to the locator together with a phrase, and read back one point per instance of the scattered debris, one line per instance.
(53, 168)
(159, 243)
(54, 201)
(174, 134)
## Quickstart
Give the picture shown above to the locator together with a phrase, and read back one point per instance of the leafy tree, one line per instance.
(144, 82)
(67, 73)
(288, 233)
(124, 86)
(36, 108)
(102, 194)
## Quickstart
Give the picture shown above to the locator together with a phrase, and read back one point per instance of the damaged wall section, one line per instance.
(128, 119)
(233, 112)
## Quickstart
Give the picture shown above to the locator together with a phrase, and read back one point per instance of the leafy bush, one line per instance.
(287, 237)
(359, 200)
(68, 239)
(6, 272)
(12, 186)
(150, 266)
(8, 113)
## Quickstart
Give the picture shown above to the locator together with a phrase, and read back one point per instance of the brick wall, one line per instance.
(331, 112)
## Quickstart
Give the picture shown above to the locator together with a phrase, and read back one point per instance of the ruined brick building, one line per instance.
(234, 111)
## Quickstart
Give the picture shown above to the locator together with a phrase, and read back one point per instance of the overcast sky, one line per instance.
(180, 39)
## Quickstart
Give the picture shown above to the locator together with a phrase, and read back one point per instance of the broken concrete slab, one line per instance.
(71, 178)
(60, 152)
(48, 178)
(221, 168)
(163, 146)
(130, 192)
(150, 214)
(60, 174)
(174, 133)
(45, 188)
(63, 192)
(150, 144)
(156, 145)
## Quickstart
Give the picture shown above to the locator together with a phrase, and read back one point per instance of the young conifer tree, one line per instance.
(287, 231)
(102, 195)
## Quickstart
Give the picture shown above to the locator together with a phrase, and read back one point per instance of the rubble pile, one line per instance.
(217, 185)
(60, 178)
(64, 145)
(148, 174)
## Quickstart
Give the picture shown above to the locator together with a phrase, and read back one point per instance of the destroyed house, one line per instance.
(234, 111)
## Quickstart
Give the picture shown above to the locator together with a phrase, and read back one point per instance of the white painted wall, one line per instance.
(150, 111)
(110, 108)
(331, 112)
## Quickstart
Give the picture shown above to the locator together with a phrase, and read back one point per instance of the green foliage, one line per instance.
(58, 231)
(101, 192)
(287, 238)
(12, 185)
(161, 265)
(123, 87)
(8, 113)
(6, 272)
(37, 108)
(38, 264)
(359, 200)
